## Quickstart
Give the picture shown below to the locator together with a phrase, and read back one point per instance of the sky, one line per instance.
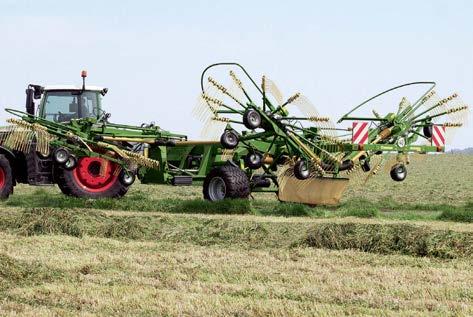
(150, 54)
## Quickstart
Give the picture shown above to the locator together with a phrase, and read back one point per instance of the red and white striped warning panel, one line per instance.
(438, 135)
(360, 133)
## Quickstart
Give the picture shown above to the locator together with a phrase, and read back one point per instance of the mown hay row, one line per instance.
(391, 238)
(383, 238)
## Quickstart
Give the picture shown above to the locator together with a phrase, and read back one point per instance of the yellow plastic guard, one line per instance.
(313, 191)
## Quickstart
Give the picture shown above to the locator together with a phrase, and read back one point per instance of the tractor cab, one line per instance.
(62, 103)
(65, 102)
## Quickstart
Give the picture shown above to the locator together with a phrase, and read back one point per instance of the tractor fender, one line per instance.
(8, 154)
(11, 157)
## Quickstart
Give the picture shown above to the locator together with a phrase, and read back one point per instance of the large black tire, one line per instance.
(226, 182)
(6, 178)
(87, 180)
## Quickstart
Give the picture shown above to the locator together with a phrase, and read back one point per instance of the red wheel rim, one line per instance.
(95, 174)
(2, 177)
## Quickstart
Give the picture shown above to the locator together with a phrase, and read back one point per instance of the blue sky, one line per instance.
(150, 53)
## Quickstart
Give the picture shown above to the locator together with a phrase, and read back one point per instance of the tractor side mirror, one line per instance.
(30, 93)
(37, 93)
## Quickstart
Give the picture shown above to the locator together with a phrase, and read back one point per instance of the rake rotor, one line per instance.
(255, 119)
(263, 111)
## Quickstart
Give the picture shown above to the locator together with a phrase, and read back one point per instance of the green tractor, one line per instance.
(65, 138)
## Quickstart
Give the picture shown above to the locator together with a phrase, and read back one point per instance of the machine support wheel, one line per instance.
(93, 177)
(6, 178)
(398, 172)
(226, 182)
(254, 160)
(366, 166)
(229, 139)
(427, 130)
(301, 170)
(251, 119)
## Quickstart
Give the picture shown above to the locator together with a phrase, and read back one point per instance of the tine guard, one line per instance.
(313, 191)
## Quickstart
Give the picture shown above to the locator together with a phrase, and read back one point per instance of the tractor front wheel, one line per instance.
(93, 177)
(226, 182)
(6, 178)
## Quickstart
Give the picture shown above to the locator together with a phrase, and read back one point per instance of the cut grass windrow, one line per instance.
(358, 207)
(382, 238)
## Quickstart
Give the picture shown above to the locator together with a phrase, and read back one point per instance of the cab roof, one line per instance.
(72, 87)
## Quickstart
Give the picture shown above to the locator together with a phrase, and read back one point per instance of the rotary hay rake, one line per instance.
(307, 157)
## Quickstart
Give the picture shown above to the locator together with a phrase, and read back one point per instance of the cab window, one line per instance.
(62, 106)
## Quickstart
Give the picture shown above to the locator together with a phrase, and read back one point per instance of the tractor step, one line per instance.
(181, 180)
(39, 169)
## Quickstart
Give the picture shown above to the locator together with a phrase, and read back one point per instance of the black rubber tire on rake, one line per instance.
(7, 177)
(366, 166)
(237, 185)
(301, 170)
(427, 130)
(251, 119)
(229, 139)
(253, 160)
(398, 172)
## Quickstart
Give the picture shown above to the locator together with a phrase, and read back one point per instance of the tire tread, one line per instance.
(236, 181)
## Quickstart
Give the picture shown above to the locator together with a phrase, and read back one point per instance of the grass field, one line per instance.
(389, 249)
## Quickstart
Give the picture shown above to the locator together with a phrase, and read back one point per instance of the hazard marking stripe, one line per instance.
(360, 132)
(438, 135)
(364, 139)
(358, 129)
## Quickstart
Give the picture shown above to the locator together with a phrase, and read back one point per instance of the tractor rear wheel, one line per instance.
(6, 178)
(226, 182)
(93, 177)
